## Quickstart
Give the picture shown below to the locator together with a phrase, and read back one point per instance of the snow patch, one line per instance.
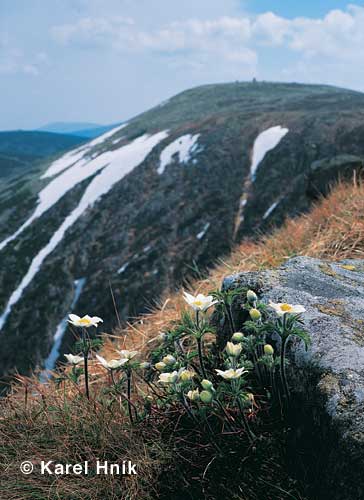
(185, 146)
(116, 164)
(201, 234)
(75, 155)
(123, 268)
(266, 141)
(270, 209)
(50, 362)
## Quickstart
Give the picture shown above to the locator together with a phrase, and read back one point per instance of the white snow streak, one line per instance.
(184, 147)
(266, 141)
(75, 166)
(53, 356)
(201, 234)
(71, 157)
(116, 165)
(123, 268)
(270, 209)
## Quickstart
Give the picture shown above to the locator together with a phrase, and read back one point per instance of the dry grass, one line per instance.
(40, 421)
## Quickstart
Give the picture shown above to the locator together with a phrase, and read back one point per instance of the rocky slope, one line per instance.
(160, 198)
(328, 386)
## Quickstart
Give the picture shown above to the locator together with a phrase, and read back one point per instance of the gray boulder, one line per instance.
(328, 380)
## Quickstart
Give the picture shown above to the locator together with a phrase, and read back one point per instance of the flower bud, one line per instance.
(250, 397)
(251, 296)
(255, 314)
(160, 366)
(186, 375)
(268, 349)
(207, 385)
(237, 337)
(145, 365)
(233, 350)
(206, 396)
(169, 359)
(193, 395)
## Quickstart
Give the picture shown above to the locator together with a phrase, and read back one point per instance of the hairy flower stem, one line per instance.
(249, 432)
(228, 418)
(200, 356)
(283, 367)
(85, 361)
(230, 318)
(128, 374)
(283, 358)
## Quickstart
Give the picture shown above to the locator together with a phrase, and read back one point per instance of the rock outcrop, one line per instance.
(328, 380)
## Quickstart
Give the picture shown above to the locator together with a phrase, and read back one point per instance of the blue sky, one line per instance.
(106, 60)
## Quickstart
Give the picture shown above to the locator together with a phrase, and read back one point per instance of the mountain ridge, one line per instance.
(141, 229)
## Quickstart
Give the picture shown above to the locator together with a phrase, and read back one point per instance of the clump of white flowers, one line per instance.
(209, 381)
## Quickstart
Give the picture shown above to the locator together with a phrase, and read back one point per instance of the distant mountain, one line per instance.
(158, 200)
(68, 127)
(91, 133)
(80, 129)
(19, 150)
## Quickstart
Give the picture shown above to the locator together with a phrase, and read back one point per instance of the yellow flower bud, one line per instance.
(268, 349)
(251, 296)
(207, 385)
(255, 314)
(169, 359)
(237, 337)
(233, 350)
(186, 375)
(206, 396)
(160, 366)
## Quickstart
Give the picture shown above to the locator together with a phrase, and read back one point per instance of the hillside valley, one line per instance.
(20, 149)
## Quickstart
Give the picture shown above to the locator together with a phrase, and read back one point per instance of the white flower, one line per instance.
(231, 374)
(193, 395)
(200, 302)
(73, 360)
(125, 353)
(233, 350)
(85, 321)
(283, 308)
(113, 364)
(168, 378)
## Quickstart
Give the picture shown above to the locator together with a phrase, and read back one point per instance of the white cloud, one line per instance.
(239, 40)
(93, 31)
(14, 61)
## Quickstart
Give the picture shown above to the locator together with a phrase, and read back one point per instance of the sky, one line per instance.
(104, 61)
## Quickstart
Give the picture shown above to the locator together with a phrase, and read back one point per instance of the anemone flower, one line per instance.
(193, 395)
(73, 360)
(85, 321)
(282, 308)
(231, 374)
(168, 378)
(113, 364)
(199, 302)
(233, 350)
